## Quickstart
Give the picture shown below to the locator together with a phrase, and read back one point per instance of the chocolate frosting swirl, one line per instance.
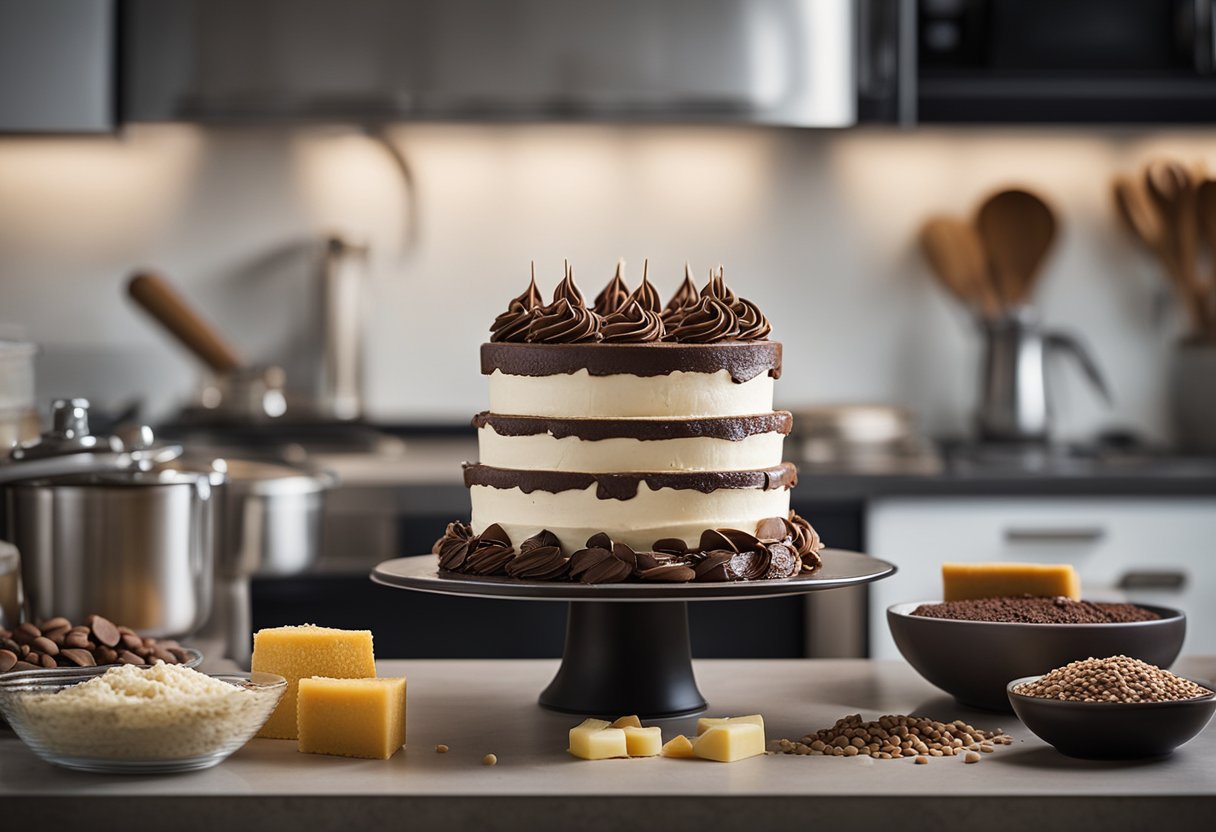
(717, 288)
(568, 290)
(684, 299)
(563, 323)
(513, 324)
(709, 321)
(614, 296)
(753, 326)
(632, 323)
(454, 546)
(648, 297)
(491, 553)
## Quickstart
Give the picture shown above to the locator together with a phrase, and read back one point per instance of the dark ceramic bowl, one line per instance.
(973, 661)
(1113, 730)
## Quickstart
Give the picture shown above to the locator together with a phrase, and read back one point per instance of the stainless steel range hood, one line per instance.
(780, 62)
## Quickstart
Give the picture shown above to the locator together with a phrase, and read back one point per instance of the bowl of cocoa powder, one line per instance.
(971, 649)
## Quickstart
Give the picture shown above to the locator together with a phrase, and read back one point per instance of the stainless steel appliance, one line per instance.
(786, 62)
(1015, 400)
(101, 528)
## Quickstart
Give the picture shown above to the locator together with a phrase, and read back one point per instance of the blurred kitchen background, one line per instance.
(353, 190)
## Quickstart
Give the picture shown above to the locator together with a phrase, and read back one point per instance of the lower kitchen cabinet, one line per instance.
(1143, 549)
(419, 625)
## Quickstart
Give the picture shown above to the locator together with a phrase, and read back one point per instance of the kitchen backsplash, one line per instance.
(817, 227)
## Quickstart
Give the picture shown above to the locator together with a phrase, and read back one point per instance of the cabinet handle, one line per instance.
(1080, 534)
(1171, 581)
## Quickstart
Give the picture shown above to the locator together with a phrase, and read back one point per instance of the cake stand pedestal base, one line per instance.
(636, 653)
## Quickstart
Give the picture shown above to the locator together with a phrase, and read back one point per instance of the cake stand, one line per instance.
(627, 647)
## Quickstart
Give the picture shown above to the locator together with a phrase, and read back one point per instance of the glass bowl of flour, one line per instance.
(138, 720)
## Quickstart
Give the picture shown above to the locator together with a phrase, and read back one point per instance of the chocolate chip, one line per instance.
(45, 646)
(26, 666)
(131, 641)
(56, 623)
(103, 630)
(106, 655)
(47, 661)
(26, 633)
(78, 640)
(80, 658)
(7, 659)
(127, 657)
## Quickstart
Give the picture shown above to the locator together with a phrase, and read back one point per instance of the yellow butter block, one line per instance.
(297, 653)
(965, 581)
(707, 722)
(643, 742)
(729, 742)
(596, 739)
(351, 717)
(627, 721)
(678, 746)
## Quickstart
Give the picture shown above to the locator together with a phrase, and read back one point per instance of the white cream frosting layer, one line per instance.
(672, 396)
(653, 514)
(545, 452)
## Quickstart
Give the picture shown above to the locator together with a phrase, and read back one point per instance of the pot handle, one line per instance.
(1066, 342)
(206, 505)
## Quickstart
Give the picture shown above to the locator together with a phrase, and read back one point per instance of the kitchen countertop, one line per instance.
(477, 707)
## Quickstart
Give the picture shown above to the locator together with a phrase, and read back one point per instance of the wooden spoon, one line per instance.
(1172, 190)
(1017, 229)
(1205, 205)
(1138, 213)
(954, 250)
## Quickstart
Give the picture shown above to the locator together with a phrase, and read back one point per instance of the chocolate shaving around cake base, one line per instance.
(721, 555)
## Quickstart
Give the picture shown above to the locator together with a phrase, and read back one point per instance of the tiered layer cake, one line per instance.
(641, 441)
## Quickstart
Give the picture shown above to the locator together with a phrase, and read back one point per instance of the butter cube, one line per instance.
(352, 717)
(730, 742)
(627, 721)
(643, 742)
(966, 581)
(677, 746)
(707, 722)
(596, 739)
(297, 653)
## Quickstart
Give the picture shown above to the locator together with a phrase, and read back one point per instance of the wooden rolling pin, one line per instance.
(170, 309)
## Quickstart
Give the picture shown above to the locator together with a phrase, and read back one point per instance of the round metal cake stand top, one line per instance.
(627, 647)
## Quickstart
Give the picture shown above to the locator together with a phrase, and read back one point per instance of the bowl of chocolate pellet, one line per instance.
(1117, 708)
(971, 649)
(58, 643)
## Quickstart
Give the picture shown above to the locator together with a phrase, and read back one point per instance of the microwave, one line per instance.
(1039, 61)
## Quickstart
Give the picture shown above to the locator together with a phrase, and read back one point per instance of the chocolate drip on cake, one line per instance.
(625, 486)
(732, 428)
(743, 360)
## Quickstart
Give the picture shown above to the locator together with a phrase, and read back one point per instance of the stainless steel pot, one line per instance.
(137, 547)
(272, 526)
(101, 528)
